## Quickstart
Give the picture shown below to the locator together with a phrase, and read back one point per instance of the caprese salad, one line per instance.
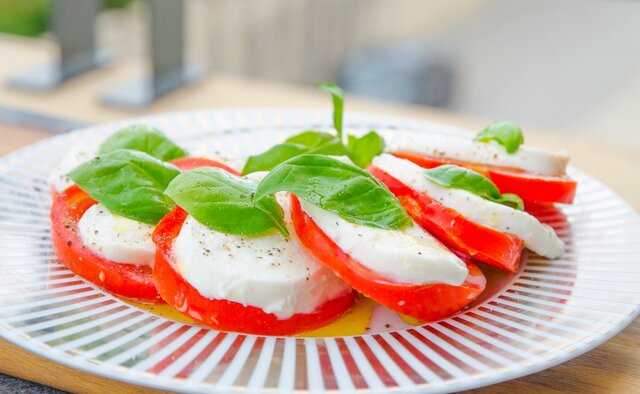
(314, 222)
(104, 210)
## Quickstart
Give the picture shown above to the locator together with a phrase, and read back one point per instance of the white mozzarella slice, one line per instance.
(276, 275)
(537, 236)
(534, 160)
(407, 255)
(117, 238)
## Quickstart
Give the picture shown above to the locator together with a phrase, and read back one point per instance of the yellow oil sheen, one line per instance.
(354, 322)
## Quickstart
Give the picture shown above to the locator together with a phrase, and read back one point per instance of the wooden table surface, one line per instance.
(613, 367)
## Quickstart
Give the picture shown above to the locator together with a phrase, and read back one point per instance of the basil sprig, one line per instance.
(507, 134)
(224, 202)
(337, 95)
(129, 183)
(361, 150)
(456, 177)
(305, 142)
(144, 139)
(341, 188)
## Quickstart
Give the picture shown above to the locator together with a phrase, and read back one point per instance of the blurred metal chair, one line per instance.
(168, 70)
(72, 23)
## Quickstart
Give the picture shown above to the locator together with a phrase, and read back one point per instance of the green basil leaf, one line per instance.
(457, 177)
(506, 134)
(311, 138)
(338, 103)
(306, 142)
(344, 189)
(362, 150)
(224, 202)
(511, 200)
(144, 139)
(334, 147)
(275, 155)
(129, 183)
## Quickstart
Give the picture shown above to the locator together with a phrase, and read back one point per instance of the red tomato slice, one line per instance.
(125, 280)
(224, 314)
(189, 163)
(424, 302)
(530, 187)
(466, 238)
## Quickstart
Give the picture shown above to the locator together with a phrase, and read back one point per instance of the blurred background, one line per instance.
(562, 65)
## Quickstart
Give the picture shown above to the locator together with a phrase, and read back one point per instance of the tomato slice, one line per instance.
(424, 302)
(530, 187)
(224, 314)
(189, 163)
(124, 280)
(464, 237)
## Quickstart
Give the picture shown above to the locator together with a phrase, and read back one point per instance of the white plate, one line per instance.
(548, 313)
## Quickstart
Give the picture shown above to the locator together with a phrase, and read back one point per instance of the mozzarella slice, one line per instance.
(537, 236)
(117, 238)
(408, 255)
(276, 275)
(77, 155)
(534, 160)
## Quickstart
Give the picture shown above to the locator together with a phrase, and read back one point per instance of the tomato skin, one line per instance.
(228, 315)
(424, 302)
(464, 237)
(530, 187)
(125, 280)
(189, 163)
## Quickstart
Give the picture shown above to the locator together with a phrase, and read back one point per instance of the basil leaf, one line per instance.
(311, 138)
(337, 95)
(506, 134)
(511, 200)
(129, 183)
(224, 202)
(272, 157)
(362, 150)
(341, 188)
(333, 147)
(457, 177)
(306, 142)
(144, 139)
